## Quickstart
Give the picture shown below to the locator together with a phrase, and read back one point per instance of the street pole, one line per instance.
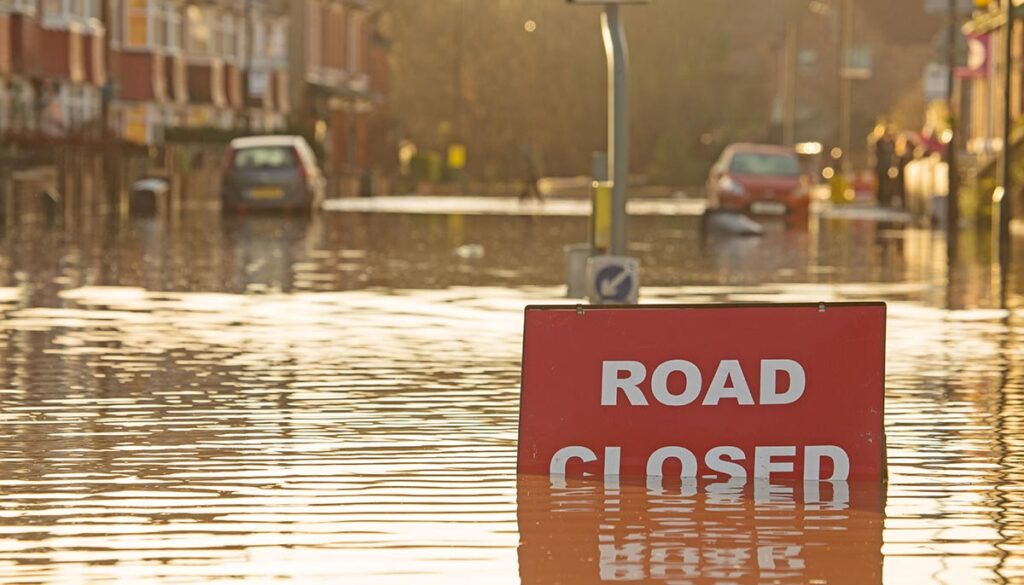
(1006, 202)
(249, 58)
(791, 55)
(846, 31)
(953, 197)
(458, 102)
(618, 122)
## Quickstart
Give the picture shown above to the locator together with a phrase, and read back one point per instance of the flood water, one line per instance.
(336, 400)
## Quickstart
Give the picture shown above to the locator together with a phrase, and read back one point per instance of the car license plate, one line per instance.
(768, 208)
(266, 193)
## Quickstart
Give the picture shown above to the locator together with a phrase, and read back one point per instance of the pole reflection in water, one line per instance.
(579, 531)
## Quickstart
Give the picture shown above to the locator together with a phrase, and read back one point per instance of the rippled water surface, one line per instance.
(336, 401)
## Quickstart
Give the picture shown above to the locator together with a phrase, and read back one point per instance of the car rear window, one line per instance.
(265, 157)
(777, 165)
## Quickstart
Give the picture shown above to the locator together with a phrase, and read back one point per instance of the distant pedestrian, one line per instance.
(531, 183)
(884, 155)
(904, 155)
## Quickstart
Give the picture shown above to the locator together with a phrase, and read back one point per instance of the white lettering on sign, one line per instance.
(659, 383)
(561, 459)
(729, 383)
(840, 462)
(769, 377)
(720, 461)
(765, 464)
(715, 460)
(656, 464)
(611, 383)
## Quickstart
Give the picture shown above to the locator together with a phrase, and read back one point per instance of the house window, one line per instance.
(229, 38)
(314, 20)
(200, 34)
(53, 10)
(157, 25)
(116, 23)
(151, 25)
(91, 10)
(174, 29)
(137, 124)
(24, 112)
(63, 13)
(260, 44)
(278, 49)
(137, 23)
(27, 7)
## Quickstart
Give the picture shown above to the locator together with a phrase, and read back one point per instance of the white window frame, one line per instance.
(229, 38)
(80, 106)
(24, 113)
(278, 44)
(26, 7)
(116, 23)
(63, 14)
(259, 49)
(174, 26)
(156, 13)
(70, 105)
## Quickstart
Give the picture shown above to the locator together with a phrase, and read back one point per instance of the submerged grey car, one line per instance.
(271, 173)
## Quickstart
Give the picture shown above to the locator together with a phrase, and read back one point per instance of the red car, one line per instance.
(761, 180)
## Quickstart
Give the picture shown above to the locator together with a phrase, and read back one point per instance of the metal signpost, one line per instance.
(618, 121)
(617, 53)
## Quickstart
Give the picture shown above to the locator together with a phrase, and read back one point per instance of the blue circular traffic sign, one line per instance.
(614, 283)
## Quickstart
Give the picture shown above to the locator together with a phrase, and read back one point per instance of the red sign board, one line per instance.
(710, 392)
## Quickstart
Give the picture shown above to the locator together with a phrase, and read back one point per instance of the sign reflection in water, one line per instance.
(576, 532)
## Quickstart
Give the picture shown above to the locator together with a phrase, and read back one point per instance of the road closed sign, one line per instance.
(789, 392)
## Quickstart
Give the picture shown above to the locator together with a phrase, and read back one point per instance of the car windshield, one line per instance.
(265, 157)
(777, 165)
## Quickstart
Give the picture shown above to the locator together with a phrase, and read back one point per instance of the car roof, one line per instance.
(258, 141)
(751, 148)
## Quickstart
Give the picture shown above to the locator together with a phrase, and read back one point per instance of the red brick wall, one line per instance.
(5, 43)
(136, 73)
(200, 83)
(379, 69)
(53, 61)
(334, 37)
(25, 45)
(339, 140)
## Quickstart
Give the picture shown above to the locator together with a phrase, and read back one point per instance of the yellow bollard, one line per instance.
(601, 217)
(839, 188)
